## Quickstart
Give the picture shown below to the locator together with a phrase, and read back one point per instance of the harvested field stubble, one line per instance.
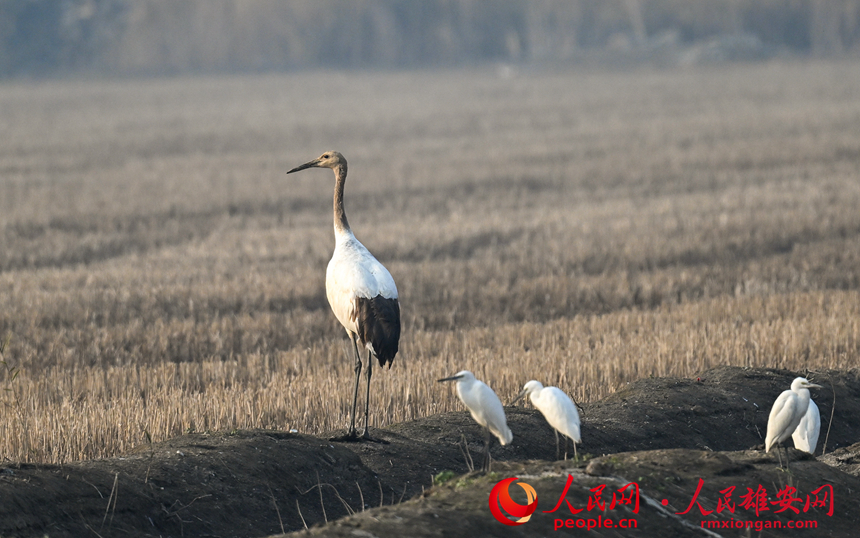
(161, 274)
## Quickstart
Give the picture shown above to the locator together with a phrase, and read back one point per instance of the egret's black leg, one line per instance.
(488, 438)
(556, 444)
(778, 455)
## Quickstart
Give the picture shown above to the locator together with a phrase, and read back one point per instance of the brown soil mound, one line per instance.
(258, 483)
(459, 507)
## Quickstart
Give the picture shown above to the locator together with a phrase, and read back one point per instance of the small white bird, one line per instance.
(361, 292)
(485, 407)
(558, 409)
(786, 413)
(806, 435)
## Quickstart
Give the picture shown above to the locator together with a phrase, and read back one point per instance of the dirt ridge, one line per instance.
(262, 482)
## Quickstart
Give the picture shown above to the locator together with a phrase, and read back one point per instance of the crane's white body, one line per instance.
(353, 273)
(806, 435)
(484, 405)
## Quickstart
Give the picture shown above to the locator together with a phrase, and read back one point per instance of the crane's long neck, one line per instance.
(341, 225)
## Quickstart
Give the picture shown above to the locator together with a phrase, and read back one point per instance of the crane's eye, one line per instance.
(325, 156)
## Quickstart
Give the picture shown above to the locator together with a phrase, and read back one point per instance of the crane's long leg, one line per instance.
(556, 444)
(352, 431)
(351, 434)
(366, 433)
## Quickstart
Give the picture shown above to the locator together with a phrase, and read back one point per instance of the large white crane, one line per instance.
(361, 293)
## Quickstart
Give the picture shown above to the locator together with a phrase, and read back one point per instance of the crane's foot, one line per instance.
(354, 437)
(350, 437)
(366, 437)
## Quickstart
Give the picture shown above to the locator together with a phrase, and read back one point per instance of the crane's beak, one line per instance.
(519, 397)
(452, 378)
(309, 164)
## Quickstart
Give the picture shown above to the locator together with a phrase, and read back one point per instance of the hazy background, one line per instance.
(47, 37)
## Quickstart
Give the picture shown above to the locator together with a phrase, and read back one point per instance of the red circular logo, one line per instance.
(501, 500)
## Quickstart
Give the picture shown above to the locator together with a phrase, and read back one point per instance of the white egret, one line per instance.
(786, 413)
(806, 435)
(558, 409)
(361, 292)
(485, 407)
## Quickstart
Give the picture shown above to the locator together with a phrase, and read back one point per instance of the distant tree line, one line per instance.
(164, 36)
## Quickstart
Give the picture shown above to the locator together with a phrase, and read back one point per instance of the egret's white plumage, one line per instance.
(360, 290)
(787, 412)
(806, 435)
(485, 407)
(557, 408)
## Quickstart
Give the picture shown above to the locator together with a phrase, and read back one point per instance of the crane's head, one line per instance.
(329, 159)
(464, 375)
(529, 388)
(803, 383)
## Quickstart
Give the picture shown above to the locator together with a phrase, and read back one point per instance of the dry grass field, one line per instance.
(159, 272)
